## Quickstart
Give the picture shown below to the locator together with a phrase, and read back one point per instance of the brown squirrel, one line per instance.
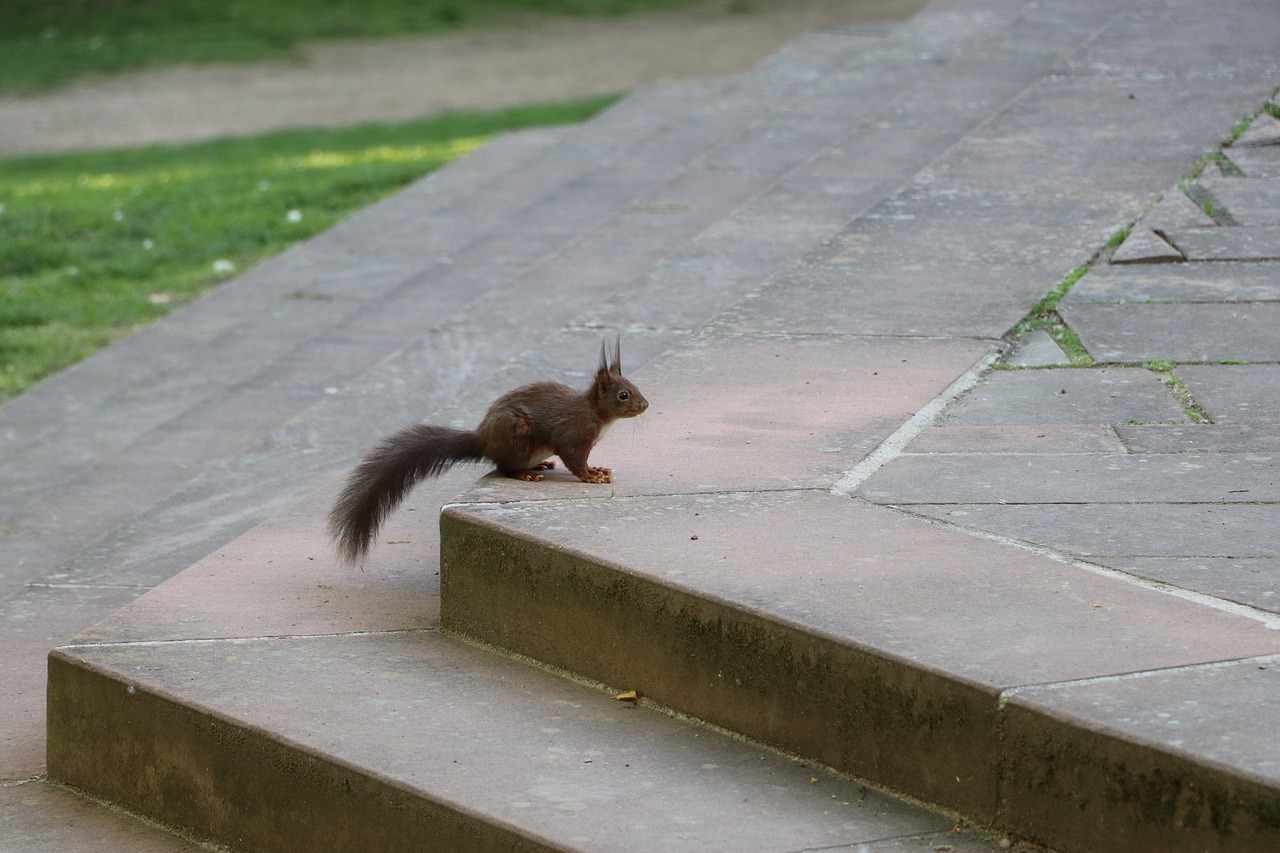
(521, 430)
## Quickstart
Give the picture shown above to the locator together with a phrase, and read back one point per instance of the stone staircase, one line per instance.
(807, 263)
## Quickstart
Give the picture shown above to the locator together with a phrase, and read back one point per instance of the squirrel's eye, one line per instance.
(623, 395)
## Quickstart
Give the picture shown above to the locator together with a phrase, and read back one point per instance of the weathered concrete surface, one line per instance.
(396, 759)
(1195, 283)
(1037, 397)
(854, 634)
(1236, 393)
(1191, 719)
(913, 192)
(1228, 244)
(1128, 333)
(44, 818)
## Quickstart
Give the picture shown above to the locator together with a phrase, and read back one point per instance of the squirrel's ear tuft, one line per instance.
(611, 365)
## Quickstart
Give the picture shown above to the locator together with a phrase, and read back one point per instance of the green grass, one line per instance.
(1044, 315)
(1181, 393)
(46, 43)
(92, 246)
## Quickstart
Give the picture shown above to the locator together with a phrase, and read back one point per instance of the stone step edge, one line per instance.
(549, 593)
(87, 706)
(253, 787)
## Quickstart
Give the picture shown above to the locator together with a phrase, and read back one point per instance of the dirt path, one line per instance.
(352, 82)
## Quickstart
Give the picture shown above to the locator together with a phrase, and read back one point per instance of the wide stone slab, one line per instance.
(1076, 396)
(1260, 243)
(741, 412)
(41, 817)
(1250, 581)
(1200, 438)
(417, 741)
(1257, 162)
(1235, 393)
(1248, 201)
(1037, 438)
(1262, 131)
(1140, 762)
(1236, 530)
(1126, 333)
(1242, 282)
(828, 627)
(1189, 478)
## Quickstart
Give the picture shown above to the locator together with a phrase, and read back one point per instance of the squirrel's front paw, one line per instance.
(599, 475)
(527, 476)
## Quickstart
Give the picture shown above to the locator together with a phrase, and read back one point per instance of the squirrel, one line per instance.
(519, 433)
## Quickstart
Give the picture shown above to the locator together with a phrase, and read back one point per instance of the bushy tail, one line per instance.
(379, 483)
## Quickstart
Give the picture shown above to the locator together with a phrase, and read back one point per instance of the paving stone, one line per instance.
(1046, 438)
(41, 817)
(1067, 396)
(1038, 349)
(1263, 130)
(1248, 201)
(835, 298)
(1075, 478)
(776, 147)
(28, 554)
(1228, 244)
(985, 255)
(1136, 762)
(1137, 44)
(827, 400)
(1235, 393)
(1237, 530)
(1252, 582)
(1241, 282)
(37, 619)
(1200, 438)
(1176, 210)
(812, 602)
(1055, 133)
(270, 583)
(1144, 246)
(426, 736)
(1173, 332)
(1257, 162)
(718, 266)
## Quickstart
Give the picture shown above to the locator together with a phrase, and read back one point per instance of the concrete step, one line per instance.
(722, 577)
(758, 233)
(868, 640)
(328, 712)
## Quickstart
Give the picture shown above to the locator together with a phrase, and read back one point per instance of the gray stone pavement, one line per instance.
(1009, 591)
(1176, 489)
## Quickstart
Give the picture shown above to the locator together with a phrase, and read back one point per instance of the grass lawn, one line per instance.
(46, 43)
(92, 246)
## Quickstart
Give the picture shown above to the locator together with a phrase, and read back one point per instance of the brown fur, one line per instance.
(518, 434)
